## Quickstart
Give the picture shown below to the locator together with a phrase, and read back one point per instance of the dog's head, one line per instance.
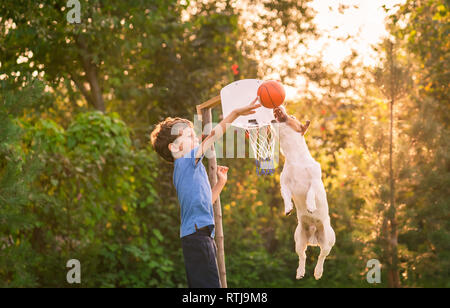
(290, 133)
(280, 122)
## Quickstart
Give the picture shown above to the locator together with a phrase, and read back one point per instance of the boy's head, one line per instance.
(173, 137)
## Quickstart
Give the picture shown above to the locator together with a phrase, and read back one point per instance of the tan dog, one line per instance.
(301, 180)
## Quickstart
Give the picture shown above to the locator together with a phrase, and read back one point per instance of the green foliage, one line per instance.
(165, 65)
(88, 207)
(79, 183)
(426, 37)
(94, 133)
(17, 172)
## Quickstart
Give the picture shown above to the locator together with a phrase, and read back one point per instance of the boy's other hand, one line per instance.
(222, 174)
(249, 109)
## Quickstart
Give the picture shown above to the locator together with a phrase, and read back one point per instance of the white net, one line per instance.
(262, 141)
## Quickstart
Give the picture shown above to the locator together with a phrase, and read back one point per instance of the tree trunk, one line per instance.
(90, 68)
(392, 236)
(212, 173)
(393, 275)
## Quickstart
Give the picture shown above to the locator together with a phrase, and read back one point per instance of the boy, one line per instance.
(174, 140)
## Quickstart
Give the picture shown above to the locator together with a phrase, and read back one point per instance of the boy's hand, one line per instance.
(222, 174)
(249, 109)
(221, 180)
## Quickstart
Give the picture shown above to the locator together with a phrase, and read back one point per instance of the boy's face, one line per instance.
(186, 141)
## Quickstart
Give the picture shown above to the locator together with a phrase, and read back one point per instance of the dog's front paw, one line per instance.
(288, 209)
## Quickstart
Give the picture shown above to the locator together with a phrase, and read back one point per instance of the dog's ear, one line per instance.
(298, 126)
(305, 127)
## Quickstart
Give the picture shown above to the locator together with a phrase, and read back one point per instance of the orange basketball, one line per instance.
(271, 94)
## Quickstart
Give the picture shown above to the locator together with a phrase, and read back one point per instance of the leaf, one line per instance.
(158, 235)
(54, 182)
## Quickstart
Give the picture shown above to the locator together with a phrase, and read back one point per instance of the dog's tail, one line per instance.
(312, 236)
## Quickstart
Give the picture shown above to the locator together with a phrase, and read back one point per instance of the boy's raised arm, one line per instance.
(220, 128)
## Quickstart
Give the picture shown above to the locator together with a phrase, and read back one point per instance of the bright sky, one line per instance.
(363, 21)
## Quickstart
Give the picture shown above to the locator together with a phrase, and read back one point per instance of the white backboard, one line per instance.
(241, 93)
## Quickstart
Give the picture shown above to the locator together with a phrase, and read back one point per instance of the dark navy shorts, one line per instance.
(199, 251)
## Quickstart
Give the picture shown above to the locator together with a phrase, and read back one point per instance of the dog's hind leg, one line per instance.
(326, 242)
(301, 244)
(318, 271)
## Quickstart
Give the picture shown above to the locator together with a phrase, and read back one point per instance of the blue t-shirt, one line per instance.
(194, 194)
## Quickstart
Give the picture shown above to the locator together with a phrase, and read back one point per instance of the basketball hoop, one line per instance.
(262, 141)
(258, 126)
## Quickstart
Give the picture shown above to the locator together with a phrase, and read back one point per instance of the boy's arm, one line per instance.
(221, 180)
(216, 190)
(220, 129)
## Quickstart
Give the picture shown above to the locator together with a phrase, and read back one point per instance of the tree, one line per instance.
(424, 39)
(423, 27)
(276, 30)
(135, 57)
(392, 80)
(17, 173)
(91, 56)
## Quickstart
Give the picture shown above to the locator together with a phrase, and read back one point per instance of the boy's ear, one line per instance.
(172, 148)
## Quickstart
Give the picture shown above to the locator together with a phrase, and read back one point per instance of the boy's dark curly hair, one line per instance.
(162, 135)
